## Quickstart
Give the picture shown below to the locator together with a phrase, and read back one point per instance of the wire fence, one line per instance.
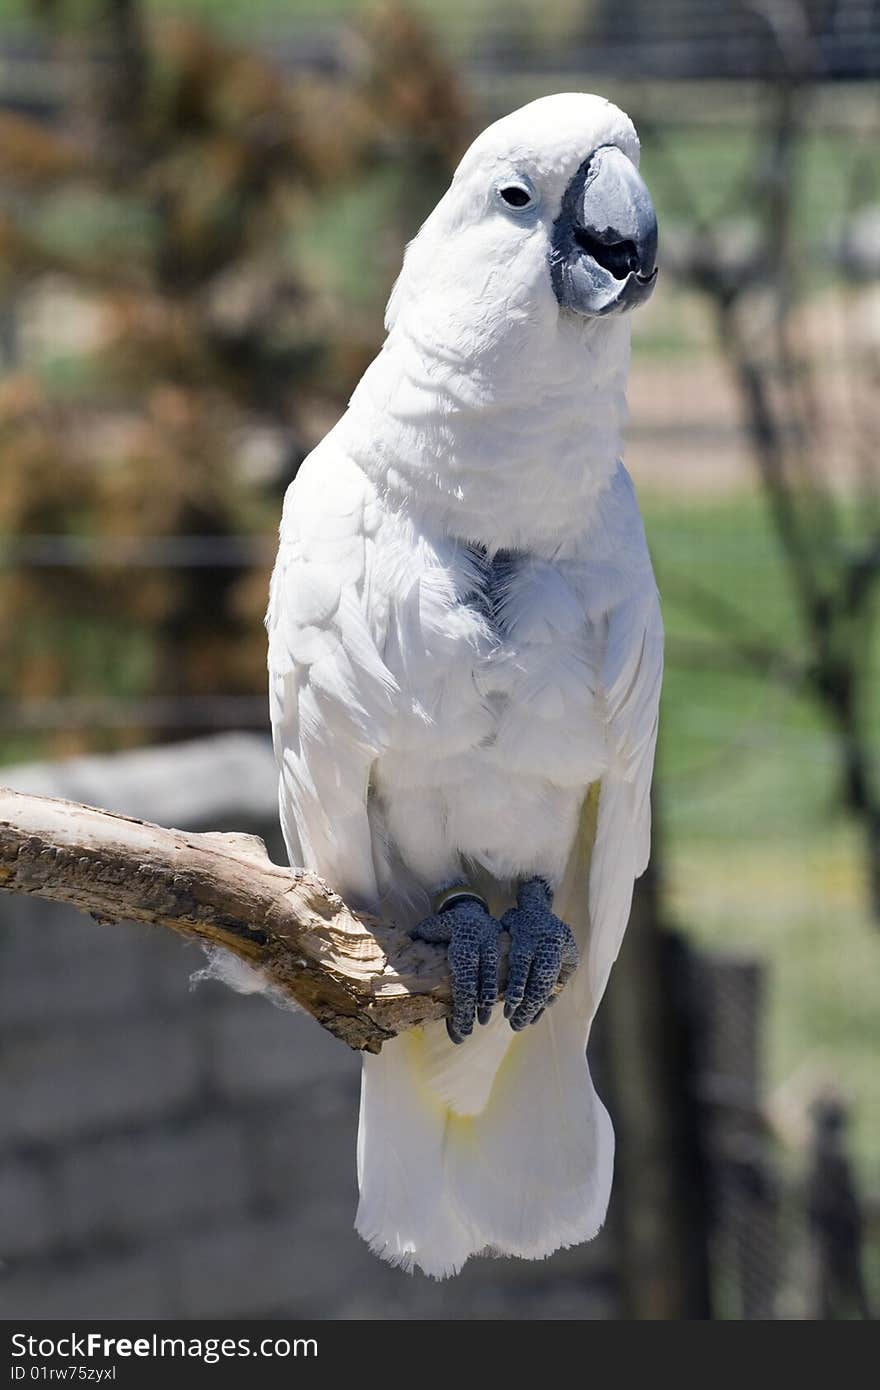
(686, 39)
(135, 552)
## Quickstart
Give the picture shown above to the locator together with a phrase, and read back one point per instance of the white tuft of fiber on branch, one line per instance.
(232, 971)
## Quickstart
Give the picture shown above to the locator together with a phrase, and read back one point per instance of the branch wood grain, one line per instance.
(363, 979)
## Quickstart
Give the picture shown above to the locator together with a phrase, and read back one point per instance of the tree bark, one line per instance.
(362, 979)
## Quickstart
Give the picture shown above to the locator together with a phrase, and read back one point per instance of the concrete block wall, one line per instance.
(169, 1152)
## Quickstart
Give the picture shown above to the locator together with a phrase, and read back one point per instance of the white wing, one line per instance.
(630, 680)
(330, 693)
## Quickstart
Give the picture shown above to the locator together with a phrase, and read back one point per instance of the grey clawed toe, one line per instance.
(543, 954)
(472, 937)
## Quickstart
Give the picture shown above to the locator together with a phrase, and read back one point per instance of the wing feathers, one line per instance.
(632, 692)
(331, 695)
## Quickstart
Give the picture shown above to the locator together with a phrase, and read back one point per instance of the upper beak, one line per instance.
(604, 257)
(616, 223)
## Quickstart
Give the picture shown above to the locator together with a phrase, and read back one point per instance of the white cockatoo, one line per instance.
(465, 657)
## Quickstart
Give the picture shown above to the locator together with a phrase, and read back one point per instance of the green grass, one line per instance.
(712, 171)
(759, 859)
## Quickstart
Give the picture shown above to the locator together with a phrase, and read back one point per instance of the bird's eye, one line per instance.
(516, 195)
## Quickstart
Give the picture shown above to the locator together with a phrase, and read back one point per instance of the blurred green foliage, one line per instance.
(186, 350)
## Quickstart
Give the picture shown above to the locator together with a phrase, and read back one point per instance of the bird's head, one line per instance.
(546, 217)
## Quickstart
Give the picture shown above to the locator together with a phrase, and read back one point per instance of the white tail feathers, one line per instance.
(499, 1145)
(463, 1076)
(527, 1175)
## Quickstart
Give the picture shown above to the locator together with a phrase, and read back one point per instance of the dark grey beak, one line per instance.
(604, 253)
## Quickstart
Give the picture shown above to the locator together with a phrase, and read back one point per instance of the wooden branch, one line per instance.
(362, 979)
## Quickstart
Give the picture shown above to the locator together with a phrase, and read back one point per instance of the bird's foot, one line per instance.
(465, 923)
(543, 954)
